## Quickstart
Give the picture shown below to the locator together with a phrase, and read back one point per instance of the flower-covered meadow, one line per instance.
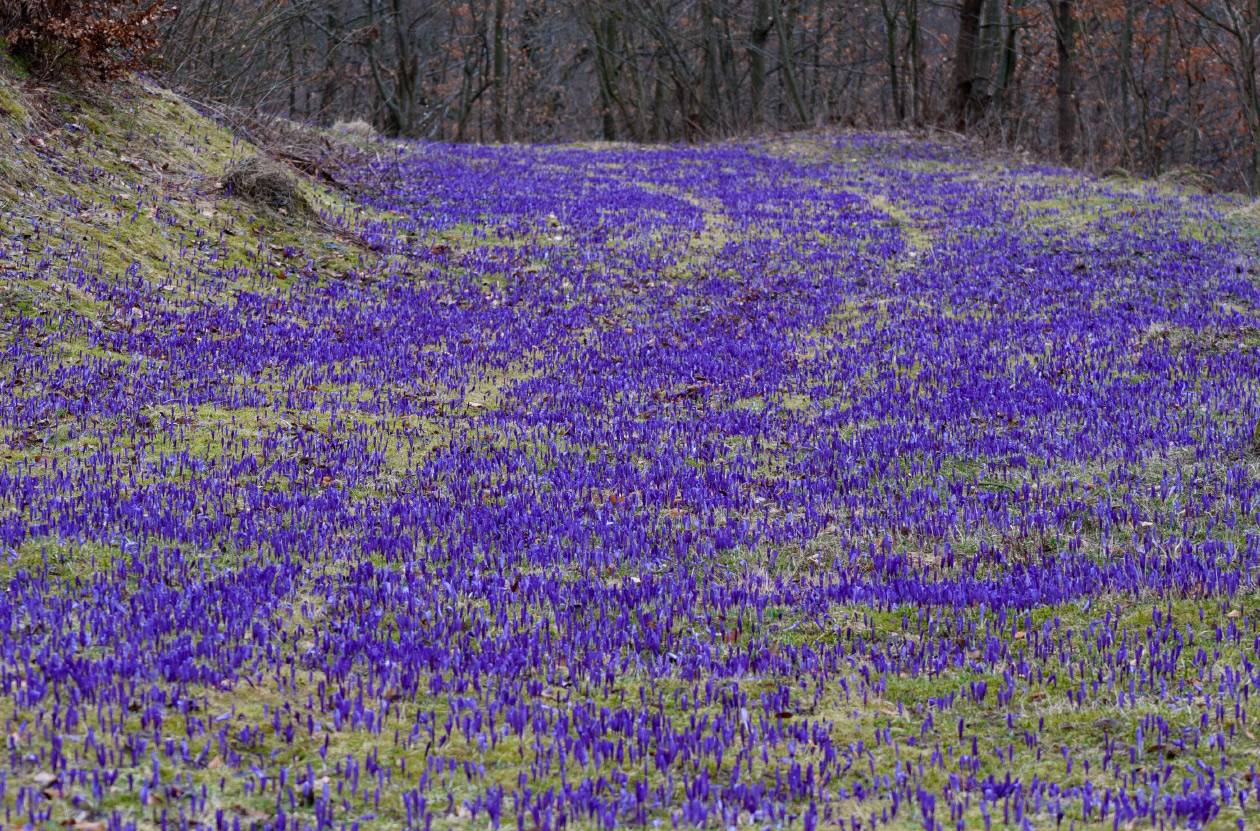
(836, 482)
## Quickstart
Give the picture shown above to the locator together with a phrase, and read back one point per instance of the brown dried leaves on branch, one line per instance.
(102, 39)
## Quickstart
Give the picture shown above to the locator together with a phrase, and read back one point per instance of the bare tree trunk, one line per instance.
(890, 55)
(1009, 59)
(660, 127)
(757, 38)
(328, 93)
(1250, 90)
(1126, 71)
(387, 97)
(475, 75)
(987, 46)
(730, 68)
(710, 69)
(407, 63)
(965, 59)
(500, 71)
(604, 31)
(291, 81)
(914, 43)
(1063, 80)
(787, 64)
(814, 83)
(638, 127)
(864, 58)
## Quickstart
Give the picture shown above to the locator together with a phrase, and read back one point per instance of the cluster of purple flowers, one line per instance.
(834, 485)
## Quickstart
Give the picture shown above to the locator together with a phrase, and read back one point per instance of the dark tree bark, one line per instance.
(758, 37)
(787, 64)
(500, 71)
(965, 60)
(914, 43)
(605, 37)
(1063, 79)
(1008, 61)
(890, 58)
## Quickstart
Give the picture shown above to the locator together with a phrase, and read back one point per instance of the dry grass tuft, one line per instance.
(358, 128)
(263, 182)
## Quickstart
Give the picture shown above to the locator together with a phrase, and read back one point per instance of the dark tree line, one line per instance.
(1147, 85)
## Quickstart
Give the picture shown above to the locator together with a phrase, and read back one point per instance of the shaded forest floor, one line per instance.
(824, 480)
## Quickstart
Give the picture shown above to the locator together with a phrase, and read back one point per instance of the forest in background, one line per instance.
(1144, 86)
